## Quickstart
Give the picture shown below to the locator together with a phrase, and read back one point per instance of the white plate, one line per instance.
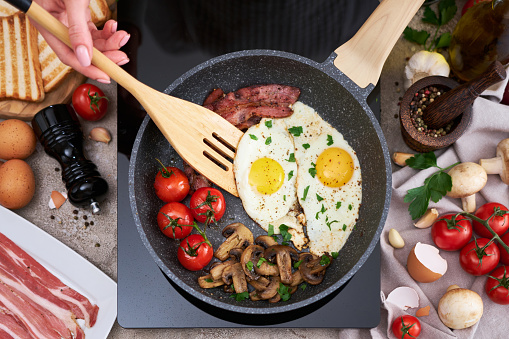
(71, 268)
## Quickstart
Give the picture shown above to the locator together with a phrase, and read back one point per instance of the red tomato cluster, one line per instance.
(480, 256)
(176, 220)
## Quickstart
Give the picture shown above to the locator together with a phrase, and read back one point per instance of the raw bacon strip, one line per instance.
(38, 322)
(80, 305)
(20, 281)
(10, 328)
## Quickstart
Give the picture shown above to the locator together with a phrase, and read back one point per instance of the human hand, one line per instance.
(83, 34)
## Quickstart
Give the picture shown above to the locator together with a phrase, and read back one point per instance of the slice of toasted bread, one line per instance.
(7, 9)
(53, 70)
(99, 12)
(20, 71)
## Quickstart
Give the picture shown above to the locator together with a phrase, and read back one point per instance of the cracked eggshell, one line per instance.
(404, 297)
(425, 264)
(57, 199)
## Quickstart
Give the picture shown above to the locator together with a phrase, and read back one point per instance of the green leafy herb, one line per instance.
(240, 296)
(305, 193)
(290, 175)
(262, 260)
(303, 286)
(249, 265)
(334, 255)
(291, 158)
(306, 146)
(338, 205)
(252, 136)
(350, 207)
(325, 260)
(295, 130)
(268, 141)
(329, 140)
(329, 223)
(446, 11)
(284, 292)
(312, 170)
(322, 210)
(435, 187)
(270, 232)
(319, 198)
(297, 264)
(283, 229)
(268, 123)
(344, 227)
(209, 280)
(284, 197)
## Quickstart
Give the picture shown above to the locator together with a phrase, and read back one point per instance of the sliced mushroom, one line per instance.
(238, 236)
(265, 241)
(271, 289)
(251, 254)
(310, 268)
(267, 268)
(500, 164)
(468, 178)
(292, 289)
(235, 274)
(283, 256)
(217, 268)
(275, 298)
(207, 281)
(296, 279)
(236, 253)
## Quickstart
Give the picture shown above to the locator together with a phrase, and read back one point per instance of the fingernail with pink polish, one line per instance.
(123, 62)
(125, 40)
(104, 81)
(83, 56)
(114, 27)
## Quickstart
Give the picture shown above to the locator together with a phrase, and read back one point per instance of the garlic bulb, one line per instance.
(423, 64)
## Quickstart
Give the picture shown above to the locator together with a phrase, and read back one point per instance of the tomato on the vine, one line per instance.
(175, 220)
(195, 252)
(89, 102)
(451, 232)
(499, 222)
(207, 205)
(171, 184)
(504, 256)
(497, 285)
(480, 256)
(406, 327)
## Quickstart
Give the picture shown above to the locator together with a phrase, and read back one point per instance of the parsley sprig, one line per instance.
(434, 188)
(446, 11)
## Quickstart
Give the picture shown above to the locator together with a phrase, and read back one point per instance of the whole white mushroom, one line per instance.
(468, 178)
(460, 308)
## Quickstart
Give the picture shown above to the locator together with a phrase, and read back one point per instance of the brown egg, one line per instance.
(17, 139)
(425, 264)
(17, 184)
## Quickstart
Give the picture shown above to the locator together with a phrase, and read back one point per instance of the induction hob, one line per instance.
(162, 47)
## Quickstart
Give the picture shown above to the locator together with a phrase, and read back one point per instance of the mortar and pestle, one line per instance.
(454, 106)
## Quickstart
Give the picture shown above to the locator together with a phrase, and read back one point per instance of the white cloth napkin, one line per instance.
(490, 125)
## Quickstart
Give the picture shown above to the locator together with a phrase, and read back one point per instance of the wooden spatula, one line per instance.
(201, 137)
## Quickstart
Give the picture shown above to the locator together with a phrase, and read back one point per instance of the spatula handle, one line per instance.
(55, 27)
(362, 57)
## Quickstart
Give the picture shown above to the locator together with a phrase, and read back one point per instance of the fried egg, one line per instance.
(329, 183)
(265, 174)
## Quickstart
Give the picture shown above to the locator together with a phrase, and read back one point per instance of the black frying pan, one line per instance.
(338, 100)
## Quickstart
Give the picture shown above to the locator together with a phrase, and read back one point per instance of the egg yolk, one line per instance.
(266, 175)
(334, 167)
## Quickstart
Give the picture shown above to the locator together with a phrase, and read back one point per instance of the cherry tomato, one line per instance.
(171, 184)
(469, 4)
(499, 223)
(174, 219)
(504, 256)
(208, 205)
(451, 233)
(479, 258)
(497, 285)
(89, 102)
(194, 252)
(406, 327)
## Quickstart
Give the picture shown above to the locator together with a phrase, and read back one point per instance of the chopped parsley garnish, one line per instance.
(344, 227)
(268, 141)
(254, 137)
(319, 198)
(297, 264)
(284, 292)
(291, 158)
(209, 280)
(334, 255)
(350, 207)
(303, 286)
(312, 170)
(321, 211)
(240, 296)
(261, 261)
(329, 140)
(305, 193)
(268, 123)
(270, 232)
(283, 229)
(284, 197)
(249, 265)
(295, 130)
(325, 260)
(306, 146)
(330, 223)
(338, 205)
(290, 175)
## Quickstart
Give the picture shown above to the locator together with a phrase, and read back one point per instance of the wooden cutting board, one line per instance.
(25, 110)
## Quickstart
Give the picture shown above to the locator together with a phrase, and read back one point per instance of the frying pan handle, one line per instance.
(55, 27)
(362, 57)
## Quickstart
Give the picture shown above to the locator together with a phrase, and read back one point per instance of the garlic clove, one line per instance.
(427, 219)
(423, 64)
(100, 134)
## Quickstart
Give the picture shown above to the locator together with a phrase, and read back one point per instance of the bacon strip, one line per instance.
(10, 328)
(21, 283)
(79, 305)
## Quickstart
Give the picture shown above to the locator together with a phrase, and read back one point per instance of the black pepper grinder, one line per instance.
(58, 129)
